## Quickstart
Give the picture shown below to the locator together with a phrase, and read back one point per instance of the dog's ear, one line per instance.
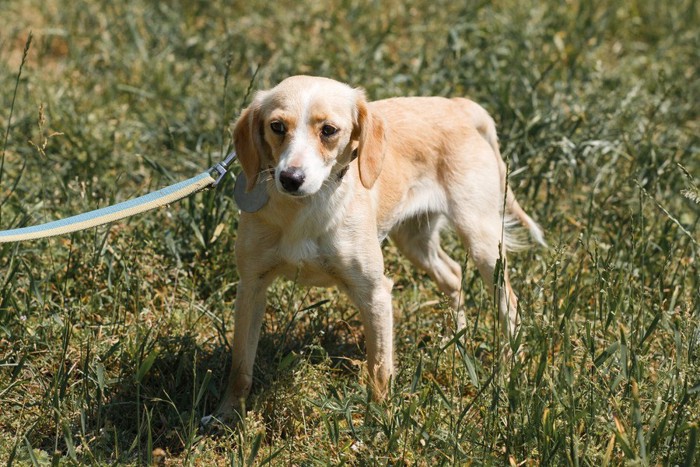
(248, 140)
(369, 131)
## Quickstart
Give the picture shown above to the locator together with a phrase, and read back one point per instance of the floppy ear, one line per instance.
(370, 151)
(248, 141)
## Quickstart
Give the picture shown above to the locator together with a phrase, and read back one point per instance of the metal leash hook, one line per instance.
(248, 201)
(221, 168)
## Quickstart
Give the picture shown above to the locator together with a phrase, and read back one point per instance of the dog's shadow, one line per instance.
(186, 377)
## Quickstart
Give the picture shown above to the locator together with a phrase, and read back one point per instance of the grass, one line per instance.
(113, 341)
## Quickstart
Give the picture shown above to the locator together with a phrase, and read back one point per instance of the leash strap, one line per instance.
(167, 195)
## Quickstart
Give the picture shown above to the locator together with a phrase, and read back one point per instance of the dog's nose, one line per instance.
(291, 179)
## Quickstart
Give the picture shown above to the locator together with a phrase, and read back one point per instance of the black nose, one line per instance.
(291, 179)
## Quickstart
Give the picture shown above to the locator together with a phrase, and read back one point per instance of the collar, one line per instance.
(344, 170)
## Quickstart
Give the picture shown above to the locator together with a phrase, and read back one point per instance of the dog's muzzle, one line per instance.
(291, 179)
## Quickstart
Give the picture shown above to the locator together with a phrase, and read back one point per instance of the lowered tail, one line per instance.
(486, 127)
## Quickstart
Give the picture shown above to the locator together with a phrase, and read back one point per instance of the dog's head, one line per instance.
(304, 131)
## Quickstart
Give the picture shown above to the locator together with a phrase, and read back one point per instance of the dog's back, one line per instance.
(426, 140)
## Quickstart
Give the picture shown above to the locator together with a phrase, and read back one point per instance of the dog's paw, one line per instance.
(207, 422)
(215, 422)
(227, 414)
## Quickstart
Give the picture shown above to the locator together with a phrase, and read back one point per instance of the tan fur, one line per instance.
(421, 162)
(249, 146)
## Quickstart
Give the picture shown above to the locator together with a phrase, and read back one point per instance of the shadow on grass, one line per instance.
(186, 378)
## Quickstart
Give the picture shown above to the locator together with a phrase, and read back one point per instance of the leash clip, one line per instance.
(222, 167)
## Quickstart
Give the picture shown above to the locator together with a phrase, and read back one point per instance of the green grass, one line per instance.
(113, 341)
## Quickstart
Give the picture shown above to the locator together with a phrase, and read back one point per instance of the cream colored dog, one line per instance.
(340, 174)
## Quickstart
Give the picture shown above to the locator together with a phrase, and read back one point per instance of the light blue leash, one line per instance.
(208, 179)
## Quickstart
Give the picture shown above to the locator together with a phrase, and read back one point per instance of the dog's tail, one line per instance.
(519, 213)
(484, 124)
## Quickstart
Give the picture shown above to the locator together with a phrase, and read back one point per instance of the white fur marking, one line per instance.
(302, 153)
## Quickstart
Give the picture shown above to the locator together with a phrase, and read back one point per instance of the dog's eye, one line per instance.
(278, 127)
(328, 130)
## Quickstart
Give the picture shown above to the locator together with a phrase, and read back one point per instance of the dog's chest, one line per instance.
(316, 241)
(308, 252)
(299, 250)
(308, 262)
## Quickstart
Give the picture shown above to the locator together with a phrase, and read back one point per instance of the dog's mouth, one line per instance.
(294, 194)
(297, 183)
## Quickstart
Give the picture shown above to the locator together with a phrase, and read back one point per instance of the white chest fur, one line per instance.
(308, 240)
(308, 261)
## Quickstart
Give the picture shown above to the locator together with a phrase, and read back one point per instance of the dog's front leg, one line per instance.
(250, 309)
(373, 297)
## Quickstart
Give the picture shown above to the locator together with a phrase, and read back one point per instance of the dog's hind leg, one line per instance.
(419, 239)
(482, 231)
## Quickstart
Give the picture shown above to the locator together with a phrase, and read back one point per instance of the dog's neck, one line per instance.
(344, 170)
(300, 222)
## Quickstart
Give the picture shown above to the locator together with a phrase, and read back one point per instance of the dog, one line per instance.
(339, 174)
